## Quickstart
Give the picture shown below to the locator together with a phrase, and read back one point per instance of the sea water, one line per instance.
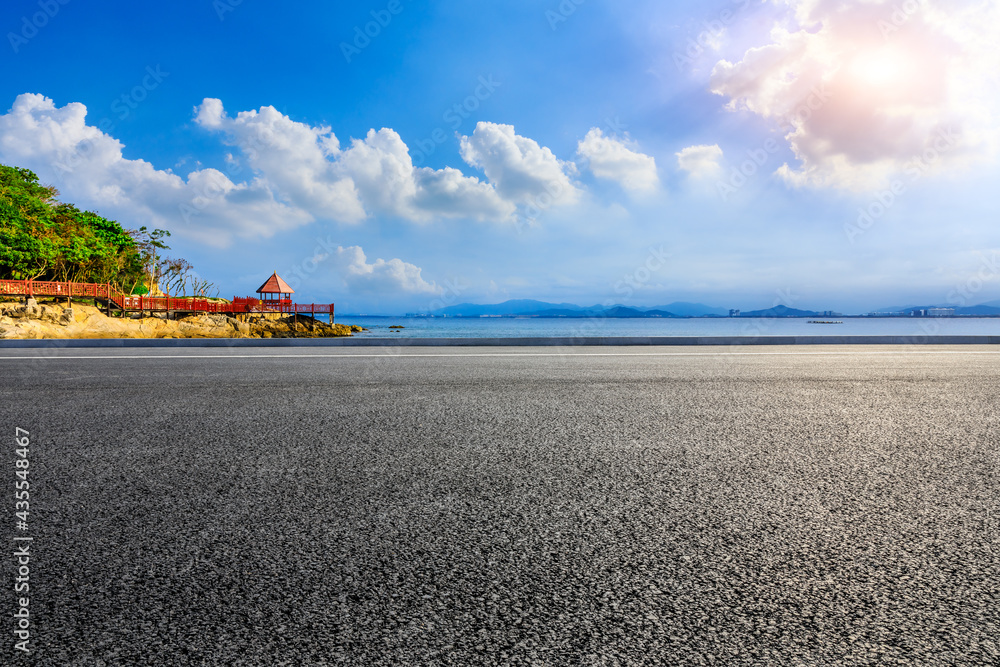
(539, 327)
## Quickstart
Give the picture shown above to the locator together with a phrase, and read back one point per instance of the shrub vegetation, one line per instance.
(44, 239)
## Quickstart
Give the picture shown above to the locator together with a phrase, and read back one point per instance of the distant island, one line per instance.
(682, 309)
(533, 308)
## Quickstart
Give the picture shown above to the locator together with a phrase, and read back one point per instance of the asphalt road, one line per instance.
(821, 506)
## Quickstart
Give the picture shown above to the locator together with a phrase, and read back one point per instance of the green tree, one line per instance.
(43, 239)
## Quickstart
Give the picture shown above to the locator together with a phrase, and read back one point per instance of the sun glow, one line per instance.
(880, 68)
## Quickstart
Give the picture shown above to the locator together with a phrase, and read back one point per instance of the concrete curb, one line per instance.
(501, 342)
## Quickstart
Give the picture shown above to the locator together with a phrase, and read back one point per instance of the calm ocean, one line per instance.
(488, 327)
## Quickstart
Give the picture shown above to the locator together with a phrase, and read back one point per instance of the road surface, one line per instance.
(587, 506)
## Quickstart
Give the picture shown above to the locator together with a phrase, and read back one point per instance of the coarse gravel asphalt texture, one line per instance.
(787, 506)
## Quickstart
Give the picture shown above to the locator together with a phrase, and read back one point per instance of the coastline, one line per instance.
(54, 321)
(50, 324)
(734, 342)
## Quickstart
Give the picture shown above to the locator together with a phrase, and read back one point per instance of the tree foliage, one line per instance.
(44, 239)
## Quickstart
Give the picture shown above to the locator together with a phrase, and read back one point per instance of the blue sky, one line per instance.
(395, 156)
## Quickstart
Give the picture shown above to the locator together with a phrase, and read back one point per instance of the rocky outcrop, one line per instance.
(33, 320)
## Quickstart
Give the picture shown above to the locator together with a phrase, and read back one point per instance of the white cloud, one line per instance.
(613, 159)
(382, 277)
(210, 114)
(701, 161)
(89, 168)
(291, 156)
(295, 174)
(447, 191)
(374, 175)
(522, 171)
(868, 89)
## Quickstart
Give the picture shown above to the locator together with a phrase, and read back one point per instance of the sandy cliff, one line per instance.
(50, 320)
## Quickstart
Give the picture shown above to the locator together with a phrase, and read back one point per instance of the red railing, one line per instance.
(51, 288)
(159, 303)
(251, 305)
(168, 303)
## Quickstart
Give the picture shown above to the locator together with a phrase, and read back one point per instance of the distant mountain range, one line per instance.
(532, 308)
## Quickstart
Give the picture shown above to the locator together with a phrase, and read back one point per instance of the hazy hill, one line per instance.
(780, 311)
(533, 308)
(512, 307)
(982, 309)
(622, 311)
(687, 309)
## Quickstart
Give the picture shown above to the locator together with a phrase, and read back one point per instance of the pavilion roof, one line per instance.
(275, 285)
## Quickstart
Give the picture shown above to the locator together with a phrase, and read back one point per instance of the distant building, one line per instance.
(734, 312)
(940, 312)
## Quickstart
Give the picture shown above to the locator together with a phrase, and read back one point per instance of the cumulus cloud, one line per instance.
(88, 166)
(864, 90)
(522, 171)
(282, 174)
(291, 156)
(612, 159)
(380, 277)
(374, 175)
(701, 161)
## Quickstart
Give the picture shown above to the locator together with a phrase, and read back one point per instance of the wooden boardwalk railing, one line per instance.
(49, 288)
(115, 299)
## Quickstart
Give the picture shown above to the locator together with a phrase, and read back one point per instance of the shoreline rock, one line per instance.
(32, 320)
